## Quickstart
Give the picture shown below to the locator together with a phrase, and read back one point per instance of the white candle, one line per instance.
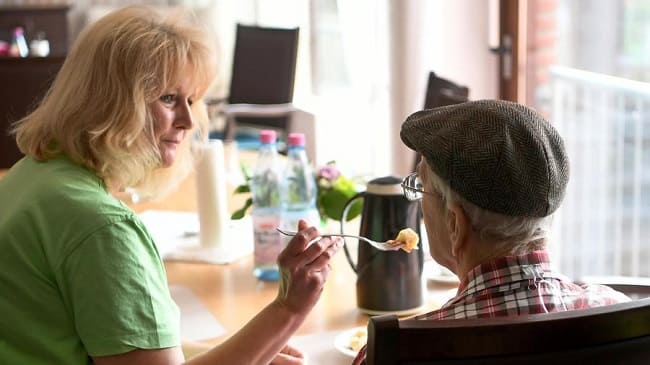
(211, 194)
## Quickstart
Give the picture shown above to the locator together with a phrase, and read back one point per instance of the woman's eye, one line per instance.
(167, 99)
(190, 102)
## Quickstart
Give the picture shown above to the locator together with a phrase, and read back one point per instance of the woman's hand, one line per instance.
(304, 265)
(289, 356)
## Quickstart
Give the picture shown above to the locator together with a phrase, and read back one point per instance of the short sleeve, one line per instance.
(116, 289)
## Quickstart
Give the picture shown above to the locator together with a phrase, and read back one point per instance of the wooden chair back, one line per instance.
(615, 334)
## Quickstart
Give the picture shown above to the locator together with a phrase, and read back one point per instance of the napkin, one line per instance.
(177, 237)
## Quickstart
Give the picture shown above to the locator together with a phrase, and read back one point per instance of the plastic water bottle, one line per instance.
(267, 208)
(18, 47)
(298, 186)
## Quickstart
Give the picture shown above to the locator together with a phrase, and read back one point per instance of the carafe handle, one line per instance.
(344, 216)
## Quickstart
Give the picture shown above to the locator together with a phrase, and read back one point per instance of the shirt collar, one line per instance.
(505, 269)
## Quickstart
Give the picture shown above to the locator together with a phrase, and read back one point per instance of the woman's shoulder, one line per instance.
(67, 194)
(61, 178)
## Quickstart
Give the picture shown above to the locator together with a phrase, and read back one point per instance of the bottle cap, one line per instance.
(267, 136)
(18, 31)
(296, 139)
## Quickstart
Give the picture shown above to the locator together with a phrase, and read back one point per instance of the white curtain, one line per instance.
(359, 112)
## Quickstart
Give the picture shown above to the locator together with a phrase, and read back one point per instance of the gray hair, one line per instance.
(515, 234)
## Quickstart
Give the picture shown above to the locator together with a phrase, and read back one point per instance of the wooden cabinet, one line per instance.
(51, 20)
(24, 81)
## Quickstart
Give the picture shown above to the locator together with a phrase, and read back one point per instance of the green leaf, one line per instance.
(241, 212)
(333, 200)
(246, 171)
(344, 184)
(245, 188)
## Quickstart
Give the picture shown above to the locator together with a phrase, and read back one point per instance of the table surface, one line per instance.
(233, 295)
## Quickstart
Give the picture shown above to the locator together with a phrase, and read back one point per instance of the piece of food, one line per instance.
(408, 238)
(358, 339)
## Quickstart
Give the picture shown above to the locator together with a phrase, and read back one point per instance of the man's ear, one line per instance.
(458, 228)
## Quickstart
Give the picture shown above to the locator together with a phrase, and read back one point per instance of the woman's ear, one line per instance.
(457, 226)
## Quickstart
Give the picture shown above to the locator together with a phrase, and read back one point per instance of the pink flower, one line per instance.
(329, 172)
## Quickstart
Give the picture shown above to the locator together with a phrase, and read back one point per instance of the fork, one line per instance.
(384, 246)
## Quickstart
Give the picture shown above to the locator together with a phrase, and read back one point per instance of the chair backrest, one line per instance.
(263, 71)
(442, 92)
(264, 65)
(24, 82)
(616, 334)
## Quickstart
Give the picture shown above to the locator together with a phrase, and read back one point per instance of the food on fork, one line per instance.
(407, 238)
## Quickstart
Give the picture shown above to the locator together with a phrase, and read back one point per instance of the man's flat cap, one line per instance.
(499, 155)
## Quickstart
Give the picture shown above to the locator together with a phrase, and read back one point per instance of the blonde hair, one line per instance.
(97, 110)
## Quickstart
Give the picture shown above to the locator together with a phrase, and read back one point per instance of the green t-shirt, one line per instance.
(79, 273)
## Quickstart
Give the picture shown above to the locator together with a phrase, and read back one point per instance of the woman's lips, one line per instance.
(172, 141)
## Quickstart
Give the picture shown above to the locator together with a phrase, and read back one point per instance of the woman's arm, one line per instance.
(304, 268)
(303, 273)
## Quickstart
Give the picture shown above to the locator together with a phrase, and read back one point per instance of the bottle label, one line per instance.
(268, 242)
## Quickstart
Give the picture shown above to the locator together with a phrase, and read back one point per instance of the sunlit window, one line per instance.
(590, 60)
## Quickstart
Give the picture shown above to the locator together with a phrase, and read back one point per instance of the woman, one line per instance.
(81, 278)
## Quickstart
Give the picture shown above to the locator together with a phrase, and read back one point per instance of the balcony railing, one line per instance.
(603, 226)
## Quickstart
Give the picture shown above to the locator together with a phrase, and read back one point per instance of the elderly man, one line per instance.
(492, 174)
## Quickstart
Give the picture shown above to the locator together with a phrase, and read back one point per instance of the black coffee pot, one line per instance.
(387, 281)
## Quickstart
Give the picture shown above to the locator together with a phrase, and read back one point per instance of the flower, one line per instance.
(328, 174)
(334, 190)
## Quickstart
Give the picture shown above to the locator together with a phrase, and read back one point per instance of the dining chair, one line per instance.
(442, 92)
(262, 80)
(615, 334)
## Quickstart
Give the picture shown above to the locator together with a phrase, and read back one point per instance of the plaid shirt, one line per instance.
(517, 285)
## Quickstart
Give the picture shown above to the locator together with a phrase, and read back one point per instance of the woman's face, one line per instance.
(172, 119)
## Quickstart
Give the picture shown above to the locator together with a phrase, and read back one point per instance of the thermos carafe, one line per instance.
(387, 281)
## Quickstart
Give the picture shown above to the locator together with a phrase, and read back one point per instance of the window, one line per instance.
(587, 64)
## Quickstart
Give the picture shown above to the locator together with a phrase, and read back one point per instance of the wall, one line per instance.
(451, 39)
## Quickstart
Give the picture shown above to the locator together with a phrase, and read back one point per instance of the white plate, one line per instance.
(444, 279)
(342, 341)
(438, 274)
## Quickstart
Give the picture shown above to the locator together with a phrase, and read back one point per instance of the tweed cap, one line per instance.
(499, 155)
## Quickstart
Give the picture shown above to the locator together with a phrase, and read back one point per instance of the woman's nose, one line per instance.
(184, 118)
